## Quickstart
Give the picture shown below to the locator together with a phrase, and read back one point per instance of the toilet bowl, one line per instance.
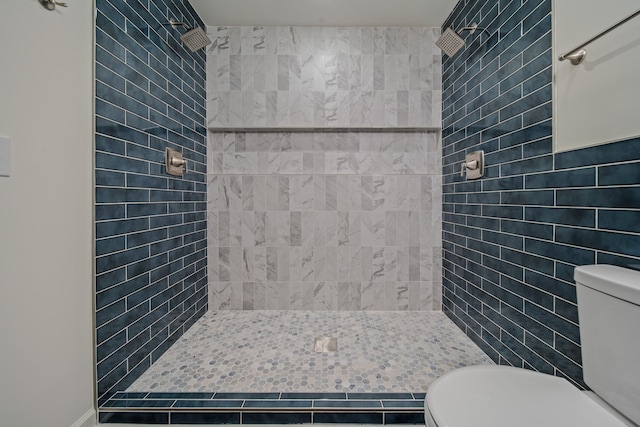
(504, 396)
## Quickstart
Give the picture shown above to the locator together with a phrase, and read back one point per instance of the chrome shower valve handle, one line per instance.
(51, 4)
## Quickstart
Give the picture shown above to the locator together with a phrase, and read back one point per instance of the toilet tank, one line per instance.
(609, 313)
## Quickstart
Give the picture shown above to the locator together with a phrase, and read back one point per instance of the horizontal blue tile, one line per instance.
(623, 197)
(246, 396)
(139, 403)
(182, 396)
(205, 418)
(180, 403)
(403, 404)
(348, 418)
(561, 252)
(625, 174)
(599, 155)
(404, 418)
(379, 396)
(574, 178)
(619, 220)
(134, 417)
(276, 418)
(567, 216)
(265, 403)
(625, 244)
(347, 404)
(130, 395)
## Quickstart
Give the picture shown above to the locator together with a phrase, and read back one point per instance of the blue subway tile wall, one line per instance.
(512, 239)
(151, 283)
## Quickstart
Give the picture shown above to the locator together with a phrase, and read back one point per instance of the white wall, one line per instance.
(46, 359)
(596, 101)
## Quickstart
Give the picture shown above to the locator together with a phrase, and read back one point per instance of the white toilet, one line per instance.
(502, 396)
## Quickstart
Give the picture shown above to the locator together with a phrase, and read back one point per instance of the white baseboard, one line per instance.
(87, 420)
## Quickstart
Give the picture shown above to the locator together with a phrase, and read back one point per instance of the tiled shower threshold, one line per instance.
(379, 375)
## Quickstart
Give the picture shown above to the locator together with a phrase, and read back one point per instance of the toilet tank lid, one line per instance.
(619, 282)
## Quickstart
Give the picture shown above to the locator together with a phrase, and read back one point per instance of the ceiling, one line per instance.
(340, 13)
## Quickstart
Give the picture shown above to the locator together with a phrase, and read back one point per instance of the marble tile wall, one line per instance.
(323, 77)
(324, 220)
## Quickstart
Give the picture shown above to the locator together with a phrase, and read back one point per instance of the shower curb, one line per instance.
(264, 408)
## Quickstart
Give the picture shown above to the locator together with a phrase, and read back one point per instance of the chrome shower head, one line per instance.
(194, 38)
(450, 42)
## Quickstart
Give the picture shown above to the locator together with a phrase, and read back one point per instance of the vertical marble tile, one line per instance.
(390, 228)
(295, 235)
(282, 40)
(260, 228)
(319, 263)
(295, 265)
(271, 99)
(402, 295)
(307, 263)
(390, 108)
(366, 73)
(414, 264)
(283, 264)
(235, 72)
(260, 296)
(355, 263)
(284, 229)
(402, 263)
(248, 263)
(271, 228)
(272, 264)
(379, 74)
(367, 296)
(248, 229)
(331, 265)
(271, 193)
(414, 296)
(248, 295)
(319, 232)
(379, 40)
(343, 296)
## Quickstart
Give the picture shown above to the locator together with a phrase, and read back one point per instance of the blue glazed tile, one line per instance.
(139, 403)
(236, 404)
(524, 228)
(145, 237)
(419, 396)
(404, 418)
(114, 228)
(626, 221)
(247, 396)
(379, 396)
(626, 174)
(105, 246)
(559, 251)
(205, 418)
(624, 197)
(574, 178)
(264, 403)
(110, 262)
(524, 198)
(566, 216)
(553, 286)
(347, 404)
(625, 244)
(129, 395)
(276, 418)
(348, 418)
(554, 322)
(599, 155)
(402, 404)
(134, 417)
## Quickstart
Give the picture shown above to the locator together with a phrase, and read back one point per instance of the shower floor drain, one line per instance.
(325, 344)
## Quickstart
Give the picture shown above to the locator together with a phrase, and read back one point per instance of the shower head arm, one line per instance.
(472, 29)
(175, 24)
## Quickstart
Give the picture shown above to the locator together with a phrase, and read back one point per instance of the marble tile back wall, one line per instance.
(323, 77)
(329, 219)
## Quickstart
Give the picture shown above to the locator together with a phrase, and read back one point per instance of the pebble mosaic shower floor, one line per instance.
(273, 351)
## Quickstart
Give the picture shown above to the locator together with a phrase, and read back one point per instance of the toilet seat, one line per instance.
(503, 396)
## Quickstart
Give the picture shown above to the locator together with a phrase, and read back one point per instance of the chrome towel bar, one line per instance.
(577, 55)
